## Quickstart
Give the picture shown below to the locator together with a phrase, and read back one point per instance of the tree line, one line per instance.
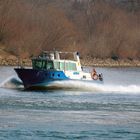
(95, 28)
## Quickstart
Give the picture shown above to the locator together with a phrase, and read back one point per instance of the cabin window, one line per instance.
(67, 66)
(49, 65)
(56, 65)
(33, 63)
(62, 65)
(43, 65)
(40, 64)
(72, 66)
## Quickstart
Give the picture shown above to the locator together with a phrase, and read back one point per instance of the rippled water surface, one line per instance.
(92, 112)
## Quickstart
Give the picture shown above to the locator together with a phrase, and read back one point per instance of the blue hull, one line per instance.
(39, 79)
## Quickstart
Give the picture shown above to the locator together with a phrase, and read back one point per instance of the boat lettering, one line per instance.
(76, 73)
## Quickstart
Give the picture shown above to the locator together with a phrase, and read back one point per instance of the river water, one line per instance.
(92, 112)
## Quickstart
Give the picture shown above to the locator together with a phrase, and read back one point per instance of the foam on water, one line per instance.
(102, 88)
(121, 89)
(14, 83)
(11, 82)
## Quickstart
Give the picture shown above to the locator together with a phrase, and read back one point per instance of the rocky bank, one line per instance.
(96, 62)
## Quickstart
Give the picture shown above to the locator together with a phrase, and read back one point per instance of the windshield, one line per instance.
(42, 64)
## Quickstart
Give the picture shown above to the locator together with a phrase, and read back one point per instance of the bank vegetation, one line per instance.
(98, 29)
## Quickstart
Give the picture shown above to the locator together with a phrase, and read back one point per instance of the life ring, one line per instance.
(94, 76)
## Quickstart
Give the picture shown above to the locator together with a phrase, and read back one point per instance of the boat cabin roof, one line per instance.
(57, 55)
(53, 60)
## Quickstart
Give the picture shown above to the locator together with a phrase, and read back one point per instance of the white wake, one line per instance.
(14, 83)
(11, 82)
(101, 88)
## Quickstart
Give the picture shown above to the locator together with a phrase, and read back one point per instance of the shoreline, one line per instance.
(94, 62)
(97, 62)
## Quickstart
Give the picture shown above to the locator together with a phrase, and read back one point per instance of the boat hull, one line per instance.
(34, 79)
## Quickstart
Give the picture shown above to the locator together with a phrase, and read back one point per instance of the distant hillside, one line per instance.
(96, 28)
